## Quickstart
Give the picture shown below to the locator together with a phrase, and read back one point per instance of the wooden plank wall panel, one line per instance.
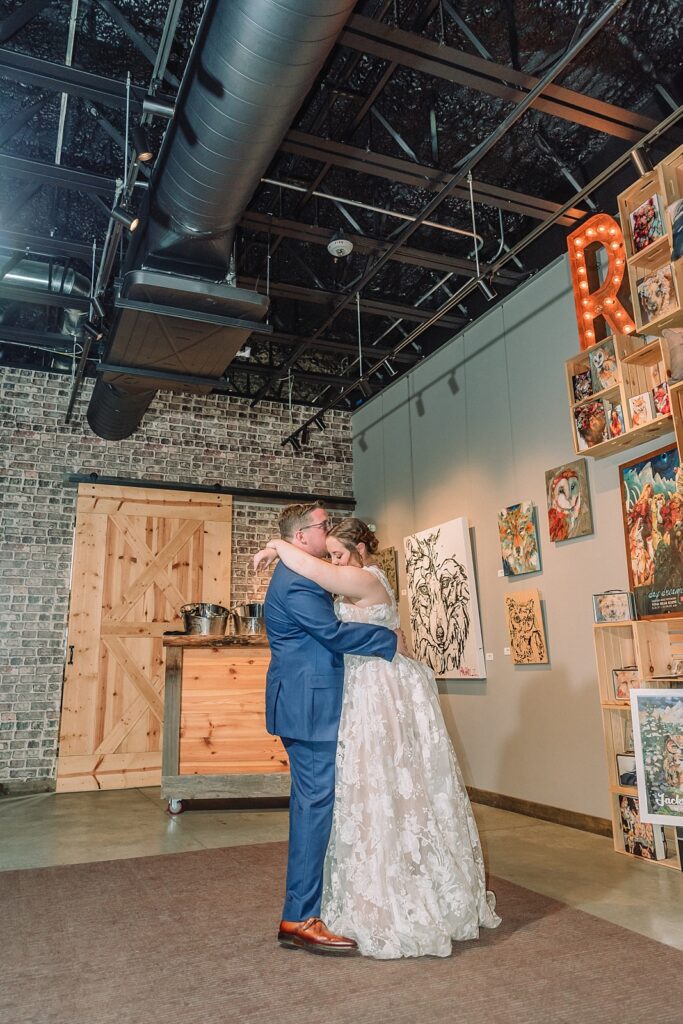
(139, 555)
(80, 706)
(222, 718)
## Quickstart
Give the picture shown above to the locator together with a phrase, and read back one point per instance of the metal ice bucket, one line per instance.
(205, 619)
(250, 618)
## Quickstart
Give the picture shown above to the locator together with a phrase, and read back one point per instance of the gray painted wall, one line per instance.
(469, 431)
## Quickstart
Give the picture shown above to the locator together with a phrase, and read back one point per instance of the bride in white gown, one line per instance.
(404, 871)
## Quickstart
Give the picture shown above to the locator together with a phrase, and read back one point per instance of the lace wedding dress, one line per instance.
(404, 872)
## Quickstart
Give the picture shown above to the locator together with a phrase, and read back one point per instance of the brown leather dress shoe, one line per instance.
(315, 937)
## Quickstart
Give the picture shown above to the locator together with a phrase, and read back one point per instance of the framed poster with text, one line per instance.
(657, 717)
(652, 510)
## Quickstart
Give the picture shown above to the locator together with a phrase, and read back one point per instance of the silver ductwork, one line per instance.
(54, 278)
(251, 67)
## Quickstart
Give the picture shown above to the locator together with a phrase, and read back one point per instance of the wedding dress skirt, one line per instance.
(404, 872)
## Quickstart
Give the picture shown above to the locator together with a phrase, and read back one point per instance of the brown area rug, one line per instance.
(190, 939)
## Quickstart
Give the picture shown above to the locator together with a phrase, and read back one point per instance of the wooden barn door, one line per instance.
(139, 554)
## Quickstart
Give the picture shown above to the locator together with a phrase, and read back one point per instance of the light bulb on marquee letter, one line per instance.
(603, 301)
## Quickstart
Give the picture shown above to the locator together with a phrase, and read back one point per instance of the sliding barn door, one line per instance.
(139, 555)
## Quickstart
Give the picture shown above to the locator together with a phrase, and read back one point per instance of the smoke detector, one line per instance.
(338, 246)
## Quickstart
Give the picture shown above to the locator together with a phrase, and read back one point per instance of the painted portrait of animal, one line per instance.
(525, 628)
(443, 613)
(568, 498)
(518, 539)
(673, 760)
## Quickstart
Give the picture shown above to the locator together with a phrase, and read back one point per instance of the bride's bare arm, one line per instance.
(348, 580)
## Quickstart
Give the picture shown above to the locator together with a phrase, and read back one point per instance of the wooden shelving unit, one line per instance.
(643, 356)
(662, 185)
(638, 365)
(649, 646)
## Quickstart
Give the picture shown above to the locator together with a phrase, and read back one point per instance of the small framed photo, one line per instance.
(660, 399)
(641, 408)
(640, 839)
(623, 679)
(614, 606)
(626, 769)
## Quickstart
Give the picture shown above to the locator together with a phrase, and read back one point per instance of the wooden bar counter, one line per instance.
(215, 739)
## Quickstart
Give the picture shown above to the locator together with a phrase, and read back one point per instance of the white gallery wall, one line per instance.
(470, 430)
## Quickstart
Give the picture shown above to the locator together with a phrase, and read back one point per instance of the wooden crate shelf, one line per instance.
(648, 646)
(643, 356)
(638, 364)
(656, 265)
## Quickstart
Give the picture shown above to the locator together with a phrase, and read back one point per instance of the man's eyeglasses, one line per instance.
(325, 525)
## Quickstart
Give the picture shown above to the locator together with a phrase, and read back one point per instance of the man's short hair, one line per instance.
(294, 517)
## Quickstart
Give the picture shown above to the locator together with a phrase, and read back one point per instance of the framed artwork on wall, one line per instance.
(519, 539)
(569, 501)
(528, 644)
(657, 717)
(387, 560)
(442, 592)
(652, 510)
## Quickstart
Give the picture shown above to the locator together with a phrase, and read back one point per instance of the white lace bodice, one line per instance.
(374, 614)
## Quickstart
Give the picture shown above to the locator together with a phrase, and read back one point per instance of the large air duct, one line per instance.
(250, 69)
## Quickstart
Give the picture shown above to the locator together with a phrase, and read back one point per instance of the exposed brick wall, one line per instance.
(185, 439)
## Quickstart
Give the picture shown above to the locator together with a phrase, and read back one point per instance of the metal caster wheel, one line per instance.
(175, 807)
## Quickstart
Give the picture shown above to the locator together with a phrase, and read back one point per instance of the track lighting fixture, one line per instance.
(295, 443)
(141, 146)
(319, 422)
(154, 106)
(487, 290)
(129, 220)
(339, 246)
(94, 333)
(365, 388)
(641, 161)
(305, 435)
(391, 369)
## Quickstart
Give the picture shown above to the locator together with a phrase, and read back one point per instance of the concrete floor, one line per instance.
(575, 867)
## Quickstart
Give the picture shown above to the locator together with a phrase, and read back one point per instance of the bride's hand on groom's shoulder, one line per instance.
(264, 558)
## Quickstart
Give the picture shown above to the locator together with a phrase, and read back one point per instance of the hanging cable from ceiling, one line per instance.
(485, 288)
(360, 340)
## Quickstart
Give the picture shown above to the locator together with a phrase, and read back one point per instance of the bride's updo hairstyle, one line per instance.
(352, 532)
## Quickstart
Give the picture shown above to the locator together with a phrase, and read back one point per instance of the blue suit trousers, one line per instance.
(311, 765)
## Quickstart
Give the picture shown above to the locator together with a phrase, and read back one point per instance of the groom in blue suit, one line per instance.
(303, 706)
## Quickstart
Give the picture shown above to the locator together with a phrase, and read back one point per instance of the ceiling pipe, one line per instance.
(343, 201)
(50, 277)
(251, 67)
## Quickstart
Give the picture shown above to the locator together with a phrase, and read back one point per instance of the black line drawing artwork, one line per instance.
(439, 604)
(526, 630)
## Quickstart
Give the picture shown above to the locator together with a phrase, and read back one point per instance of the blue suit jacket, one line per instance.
(307, 645)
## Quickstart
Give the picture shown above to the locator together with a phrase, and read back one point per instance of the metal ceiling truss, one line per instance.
(431, 58)
(260, 223)
(338, 154)
(465, 169)
(462, 173)
(470, 286)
